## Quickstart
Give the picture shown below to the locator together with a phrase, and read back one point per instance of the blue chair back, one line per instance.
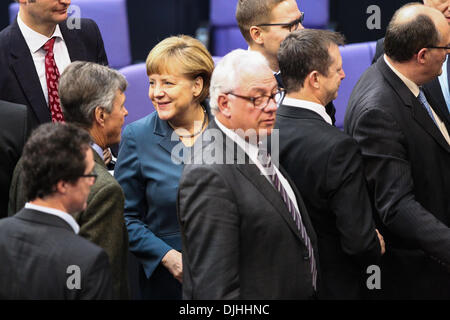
(112, 20)
(137, 101)
(356, 58)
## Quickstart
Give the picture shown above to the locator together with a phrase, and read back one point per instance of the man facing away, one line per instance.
(42, 255)
(405, 146)
(245, 231)
(325, 163)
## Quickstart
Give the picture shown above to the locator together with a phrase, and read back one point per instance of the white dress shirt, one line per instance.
(252, 151)
(61, 214)
(35, 42)
(309, 105)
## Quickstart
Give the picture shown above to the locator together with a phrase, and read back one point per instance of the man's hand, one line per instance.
(382, 244)
(172, 261)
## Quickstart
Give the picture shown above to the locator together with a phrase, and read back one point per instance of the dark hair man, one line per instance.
(42, 255)
(325, 163)
(438, 88)
(406, 150)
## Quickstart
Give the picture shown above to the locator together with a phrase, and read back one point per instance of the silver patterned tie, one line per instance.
(265, 160)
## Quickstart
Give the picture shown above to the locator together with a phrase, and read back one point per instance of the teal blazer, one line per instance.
(149, 179)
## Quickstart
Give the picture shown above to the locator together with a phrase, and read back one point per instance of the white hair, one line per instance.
(228, 72)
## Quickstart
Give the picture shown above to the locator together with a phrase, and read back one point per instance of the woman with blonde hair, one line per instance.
(148, 168)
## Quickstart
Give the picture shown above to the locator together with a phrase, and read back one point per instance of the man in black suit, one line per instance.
(264, 24)
(246, 233)
(42, 255)
(22, 55)
(438, 87)
(325, 163)
(13, 134)
(405, 145)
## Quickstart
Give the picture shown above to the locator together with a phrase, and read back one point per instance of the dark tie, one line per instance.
(52, 76)
(265, 159)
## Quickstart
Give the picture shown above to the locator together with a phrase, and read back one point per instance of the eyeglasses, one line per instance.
(292, 26)
(90, 175)
(262, 101)
(434, 47)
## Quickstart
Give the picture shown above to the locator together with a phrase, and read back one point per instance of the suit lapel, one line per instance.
(163, 130)
(251, 172)
(76, 48)
(25, 71)
(419, 112)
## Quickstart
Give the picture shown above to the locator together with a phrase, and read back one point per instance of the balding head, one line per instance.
(413, 27)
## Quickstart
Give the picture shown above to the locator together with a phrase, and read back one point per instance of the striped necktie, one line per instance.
(425, 103)
(265, 160)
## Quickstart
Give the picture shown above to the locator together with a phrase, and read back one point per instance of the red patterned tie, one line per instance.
(52, 76)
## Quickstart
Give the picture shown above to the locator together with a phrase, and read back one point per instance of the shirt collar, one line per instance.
(61, 214)
(309, 105)
(98, 149)
(250, 149)
(35, 40)
(414, 88)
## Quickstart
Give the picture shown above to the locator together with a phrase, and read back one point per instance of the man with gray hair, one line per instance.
(405, 146)
(245, 231)
(92, 97)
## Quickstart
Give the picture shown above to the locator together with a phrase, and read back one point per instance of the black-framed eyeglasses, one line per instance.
(90, 175)
(436, 47)
(292, 26)
(261, 102)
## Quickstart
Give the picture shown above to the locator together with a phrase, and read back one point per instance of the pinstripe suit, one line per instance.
(407, 165)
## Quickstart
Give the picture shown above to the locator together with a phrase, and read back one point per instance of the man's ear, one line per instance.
(61, 187)
(257, 35)
(99, 116)
(422, 55)
(224, 105)
(313, 79)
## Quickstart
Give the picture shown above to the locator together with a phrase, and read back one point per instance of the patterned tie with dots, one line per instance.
(52, 76)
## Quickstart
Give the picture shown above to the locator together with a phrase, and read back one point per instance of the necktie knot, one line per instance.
(48, 46)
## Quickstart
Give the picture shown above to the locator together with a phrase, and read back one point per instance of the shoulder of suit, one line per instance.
(142, 126)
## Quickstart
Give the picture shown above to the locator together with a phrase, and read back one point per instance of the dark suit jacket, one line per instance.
(14, 129)
(19, 81)
(432, 88)
(239, 239)
(36, 250)
(102, 222)
(407, 168)
(326, 167)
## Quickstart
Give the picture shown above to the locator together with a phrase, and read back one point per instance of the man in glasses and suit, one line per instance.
(93, 97)
(405, 146)
(42, 255)
(245, 231)
(264, 24)
(438, 88)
